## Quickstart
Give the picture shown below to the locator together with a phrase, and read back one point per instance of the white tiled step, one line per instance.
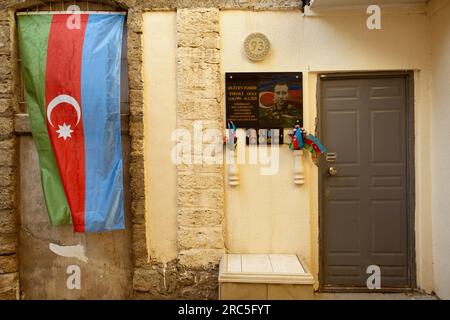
(263, 268)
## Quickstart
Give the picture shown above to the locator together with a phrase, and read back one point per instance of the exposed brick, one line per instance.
(198, 238)
(200, 258)
(205, 85)
(9, 286)
(196, 20)
(136, 129)
(4, 16)
(200, 187)
(199, 55)
(203, 124)
(5, 105)
(204, 109)
(200, 181)
(210, 199)
(6, 126)
(146, 280)
(136, 149)
(5, 73)
(199, 217)
(7, 197)
(199, 98)
(172, 280)
(8, 264)
(136, 104)
(134, 43)
(134, 20)
(5, 88)
(138, 212)
(224, 4)
(203, 40)
(7, 221)
(7, 152)
(5, 42)
(135, 77)
(137, 96)
(139, 245)
(200, 168)
(141, 280)
(7, 177)
(8, 243)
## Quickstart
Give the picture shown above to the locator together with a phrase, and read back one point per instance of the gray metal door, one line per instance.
(365, 213)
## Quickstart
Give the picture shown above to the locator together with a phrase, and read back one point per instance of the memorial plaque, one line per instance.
(242, 100)
(265, 100)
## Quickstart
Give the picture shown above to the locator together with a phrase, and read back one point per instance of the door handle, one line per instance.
(332, 171)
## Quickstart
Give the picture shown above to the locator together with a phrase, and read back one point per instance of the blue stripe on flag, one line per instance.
(298, 135)
(100, 94)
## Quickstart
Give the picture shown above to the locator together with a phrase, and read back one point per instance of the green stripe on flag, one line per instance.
(33, 39)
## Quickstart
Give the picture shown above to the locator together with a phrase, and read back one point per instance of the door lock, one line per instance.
(332, 171)
(331, 156)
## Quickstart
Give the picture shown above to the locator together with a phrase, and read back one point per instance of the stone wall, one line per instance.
(200, 197)
(9, 277)
(200, 188)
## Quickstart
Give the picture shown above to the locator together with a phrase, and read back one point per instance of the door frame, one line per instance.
(410, 177)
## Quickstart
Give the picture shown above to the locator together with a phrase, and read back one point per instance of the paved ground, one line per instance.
(375, 296)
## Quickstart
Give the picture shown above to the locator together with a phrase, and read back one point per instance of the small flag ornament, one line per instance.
(72, 89)
(297, 139)
(313, 145)
(232, 137)
(302, 140)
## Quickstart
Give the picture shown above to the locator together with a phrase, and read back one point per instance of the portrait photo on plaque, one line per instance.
(264, 100)
(280, 100)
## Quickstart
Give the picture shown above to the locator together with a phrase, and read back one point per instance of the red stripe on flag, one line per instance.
(63, 82)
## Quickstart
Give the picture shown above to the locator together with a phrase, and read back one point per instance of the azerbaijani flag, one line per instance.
(72, 89)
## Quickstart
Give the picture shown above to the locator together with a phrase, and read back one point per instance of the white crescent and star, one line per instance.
(64, 130)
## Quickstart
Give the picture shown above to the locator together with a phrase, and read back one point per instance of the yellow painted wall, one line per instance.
(260, 216)
(270, 213)
(343, 43)
(160, 120)
(440, 137)
(266, 213)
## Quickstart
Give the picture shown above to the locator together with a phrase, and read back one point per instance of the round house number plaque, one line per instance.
(256, 46)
